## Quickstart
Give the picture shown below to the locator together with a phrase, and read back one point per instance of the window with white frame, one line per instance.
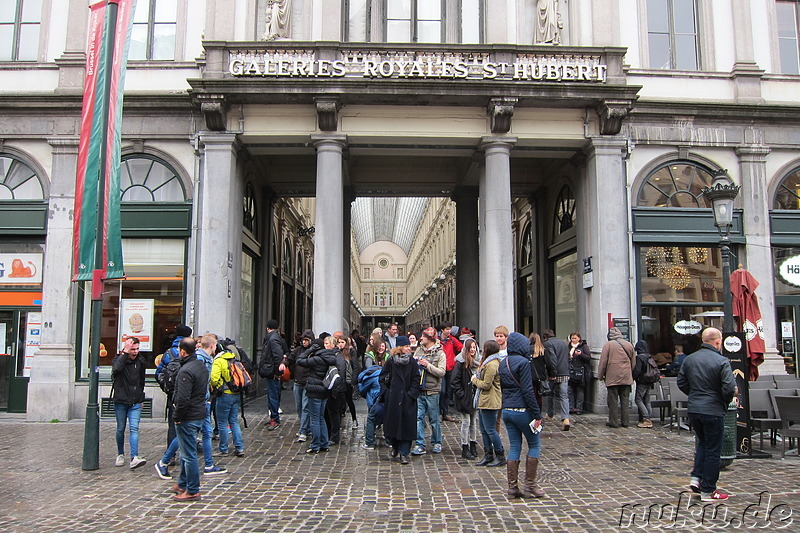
(414, 21)
(155, 25)
(20, 24)
(672, 34)
(788, 12)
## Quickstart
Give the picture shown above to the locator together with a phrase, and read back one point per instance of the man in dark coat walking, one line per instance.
(400, 389)
(273, 356)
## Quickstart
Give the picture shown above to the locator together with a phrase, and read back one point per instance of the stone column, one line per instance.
(328, 237)
(496, 253)
(53, 366)
(755, 205)
(346, 288)
(467, 263)
(219, 238)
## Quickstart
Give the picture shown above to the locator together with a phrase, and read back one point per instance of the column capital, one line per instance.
(489, 142)
(213, 139)
(752, 153)
(606, 146)
(59, 145)
(329, 140)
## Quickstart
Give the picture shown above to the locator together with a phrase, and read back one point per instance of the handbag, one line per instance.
(539, 373)
(577, 375)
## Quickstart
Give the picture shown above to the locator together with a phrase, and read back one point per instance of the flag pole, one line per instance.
(91, 432)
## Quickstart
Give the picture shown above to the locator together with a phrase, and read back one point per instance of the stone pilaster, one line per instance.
(467, 264)
(755, 207)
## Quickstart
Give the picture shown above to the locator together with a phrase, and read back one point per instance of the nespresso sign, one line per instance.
(403, 65)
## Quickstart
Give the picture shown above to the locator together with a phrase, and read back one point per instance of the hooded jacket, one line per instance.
(299, 373)
(317, 359)
(616, 360)
(640, 365)
(515, 376)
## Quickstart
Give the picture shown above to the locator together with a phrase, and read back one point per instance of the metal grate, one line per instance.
(107, 408)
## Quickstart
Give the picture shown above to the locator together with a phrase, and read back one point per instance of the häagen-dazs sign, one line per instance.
(420, 65)
(789, 270)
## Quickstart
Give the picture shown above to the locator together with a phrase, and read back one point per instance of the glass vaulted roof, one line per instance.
(387, 219)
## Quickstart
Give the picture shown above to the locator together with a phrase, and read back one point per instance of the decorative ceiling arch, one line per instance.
(387, 219)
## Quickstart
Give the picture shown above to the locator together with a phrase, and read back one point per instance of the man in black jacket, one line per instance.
(189, 408)
(556, 356)
(127, 372)
(272, 357)
(707, 379)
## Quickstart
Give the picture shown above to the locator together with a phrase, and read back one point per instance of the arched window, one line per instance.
(788, 194)
(18, 181)
(299, 267)
(676, 184)
(565, 217)
(287, 258)
(144, 178)
(526, 252)
(249, 210)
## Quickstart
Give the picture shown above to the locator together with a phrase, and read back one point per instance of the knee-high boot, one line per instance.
(512, 471)
(531, 488)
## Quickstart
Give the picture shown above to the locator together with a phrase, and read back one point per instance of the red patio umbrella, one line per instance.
(748, 317)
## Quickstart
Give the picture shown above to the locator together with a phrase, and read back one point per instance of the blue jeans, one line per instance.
(208, 430)
(403, 447)
(130, 414)
(274, 399)
(488, 422)
(301, 403)
(517, 425)
(708, 431)
(190, 468)
(558, 402)
(428, 404)
(228, 415)
(369, 428)
(171, 450)
(316, 415)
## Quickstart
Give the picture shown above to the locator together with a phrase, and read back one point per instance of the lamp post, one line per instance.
(721, 194)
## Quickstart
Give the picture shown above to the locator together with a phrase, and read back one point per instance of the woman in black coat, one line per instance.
(580, 372)
(399, 381)
(317, 359)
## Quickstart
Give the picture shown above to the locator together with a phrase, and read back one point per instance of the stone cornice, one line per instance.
(716, 111)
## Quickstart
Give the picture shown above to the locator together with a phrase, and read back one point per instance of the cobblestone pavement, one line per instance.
(596, 478)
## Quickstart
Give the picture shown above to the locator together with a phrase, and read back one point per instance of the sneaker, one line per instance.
(437, 448)
(312, 450)
(713, 497)
(120, 460)
(214, 470)
(694, 485)
(137, 461)
(221, 454)
(418, 450)
(239, 453)
(162, 470)
(301, 437)
(273, 424)
(367, 447)
(355, 425)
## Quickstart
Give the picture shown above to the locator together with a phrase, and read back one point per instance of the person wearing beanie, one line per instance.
(433, 361)
(300, 376)
(617, 360)
(520, 408)
(273, 355)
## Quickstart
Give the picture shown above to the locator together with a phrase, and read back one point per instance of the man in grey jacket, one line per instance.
(707, 379)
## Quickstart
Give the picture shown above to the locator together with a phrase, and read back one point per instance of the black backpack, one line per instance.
(168, 376)
(651, 373)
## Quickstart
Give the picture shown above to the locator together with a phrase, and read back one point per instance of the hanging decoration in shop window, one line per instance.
(697, 255)
(677, 277)
(656, 260)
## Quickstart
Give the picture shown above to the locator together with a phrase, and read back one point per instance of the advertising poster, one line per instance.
(136, 320)
(33, 338)
(21, 269)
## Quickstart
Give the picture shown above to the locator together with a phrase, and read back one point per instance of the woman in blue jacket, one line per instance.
(520, 408)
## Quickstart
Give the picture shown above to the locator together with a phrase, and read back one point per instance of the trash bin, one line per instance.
(728, 453)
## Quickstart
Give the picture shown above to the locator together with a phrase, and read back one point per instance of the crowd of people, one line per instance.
(410, 383)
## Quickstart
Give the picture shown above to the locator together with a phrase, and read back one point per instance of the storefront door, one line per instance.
(788, 308)
(19, 333)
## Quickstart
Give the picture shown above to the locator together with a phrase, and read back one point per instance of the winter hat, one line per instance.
(518, 344)
(318, 342)
(402, 340)
(183, 331)
(272, 324)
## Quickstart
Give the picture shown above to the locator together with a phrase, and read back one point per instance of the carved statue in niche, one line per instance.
(548, 23)
(279, 14)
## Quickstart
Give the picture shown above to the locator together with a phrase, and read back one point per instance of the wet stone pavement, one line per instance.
(596, 479)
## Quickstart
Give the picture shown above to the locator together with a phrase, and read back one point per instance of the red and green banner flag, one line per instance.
(101, 128)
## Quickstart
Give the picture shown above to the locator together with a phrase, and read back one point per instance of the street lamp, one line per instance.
(721, 194)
